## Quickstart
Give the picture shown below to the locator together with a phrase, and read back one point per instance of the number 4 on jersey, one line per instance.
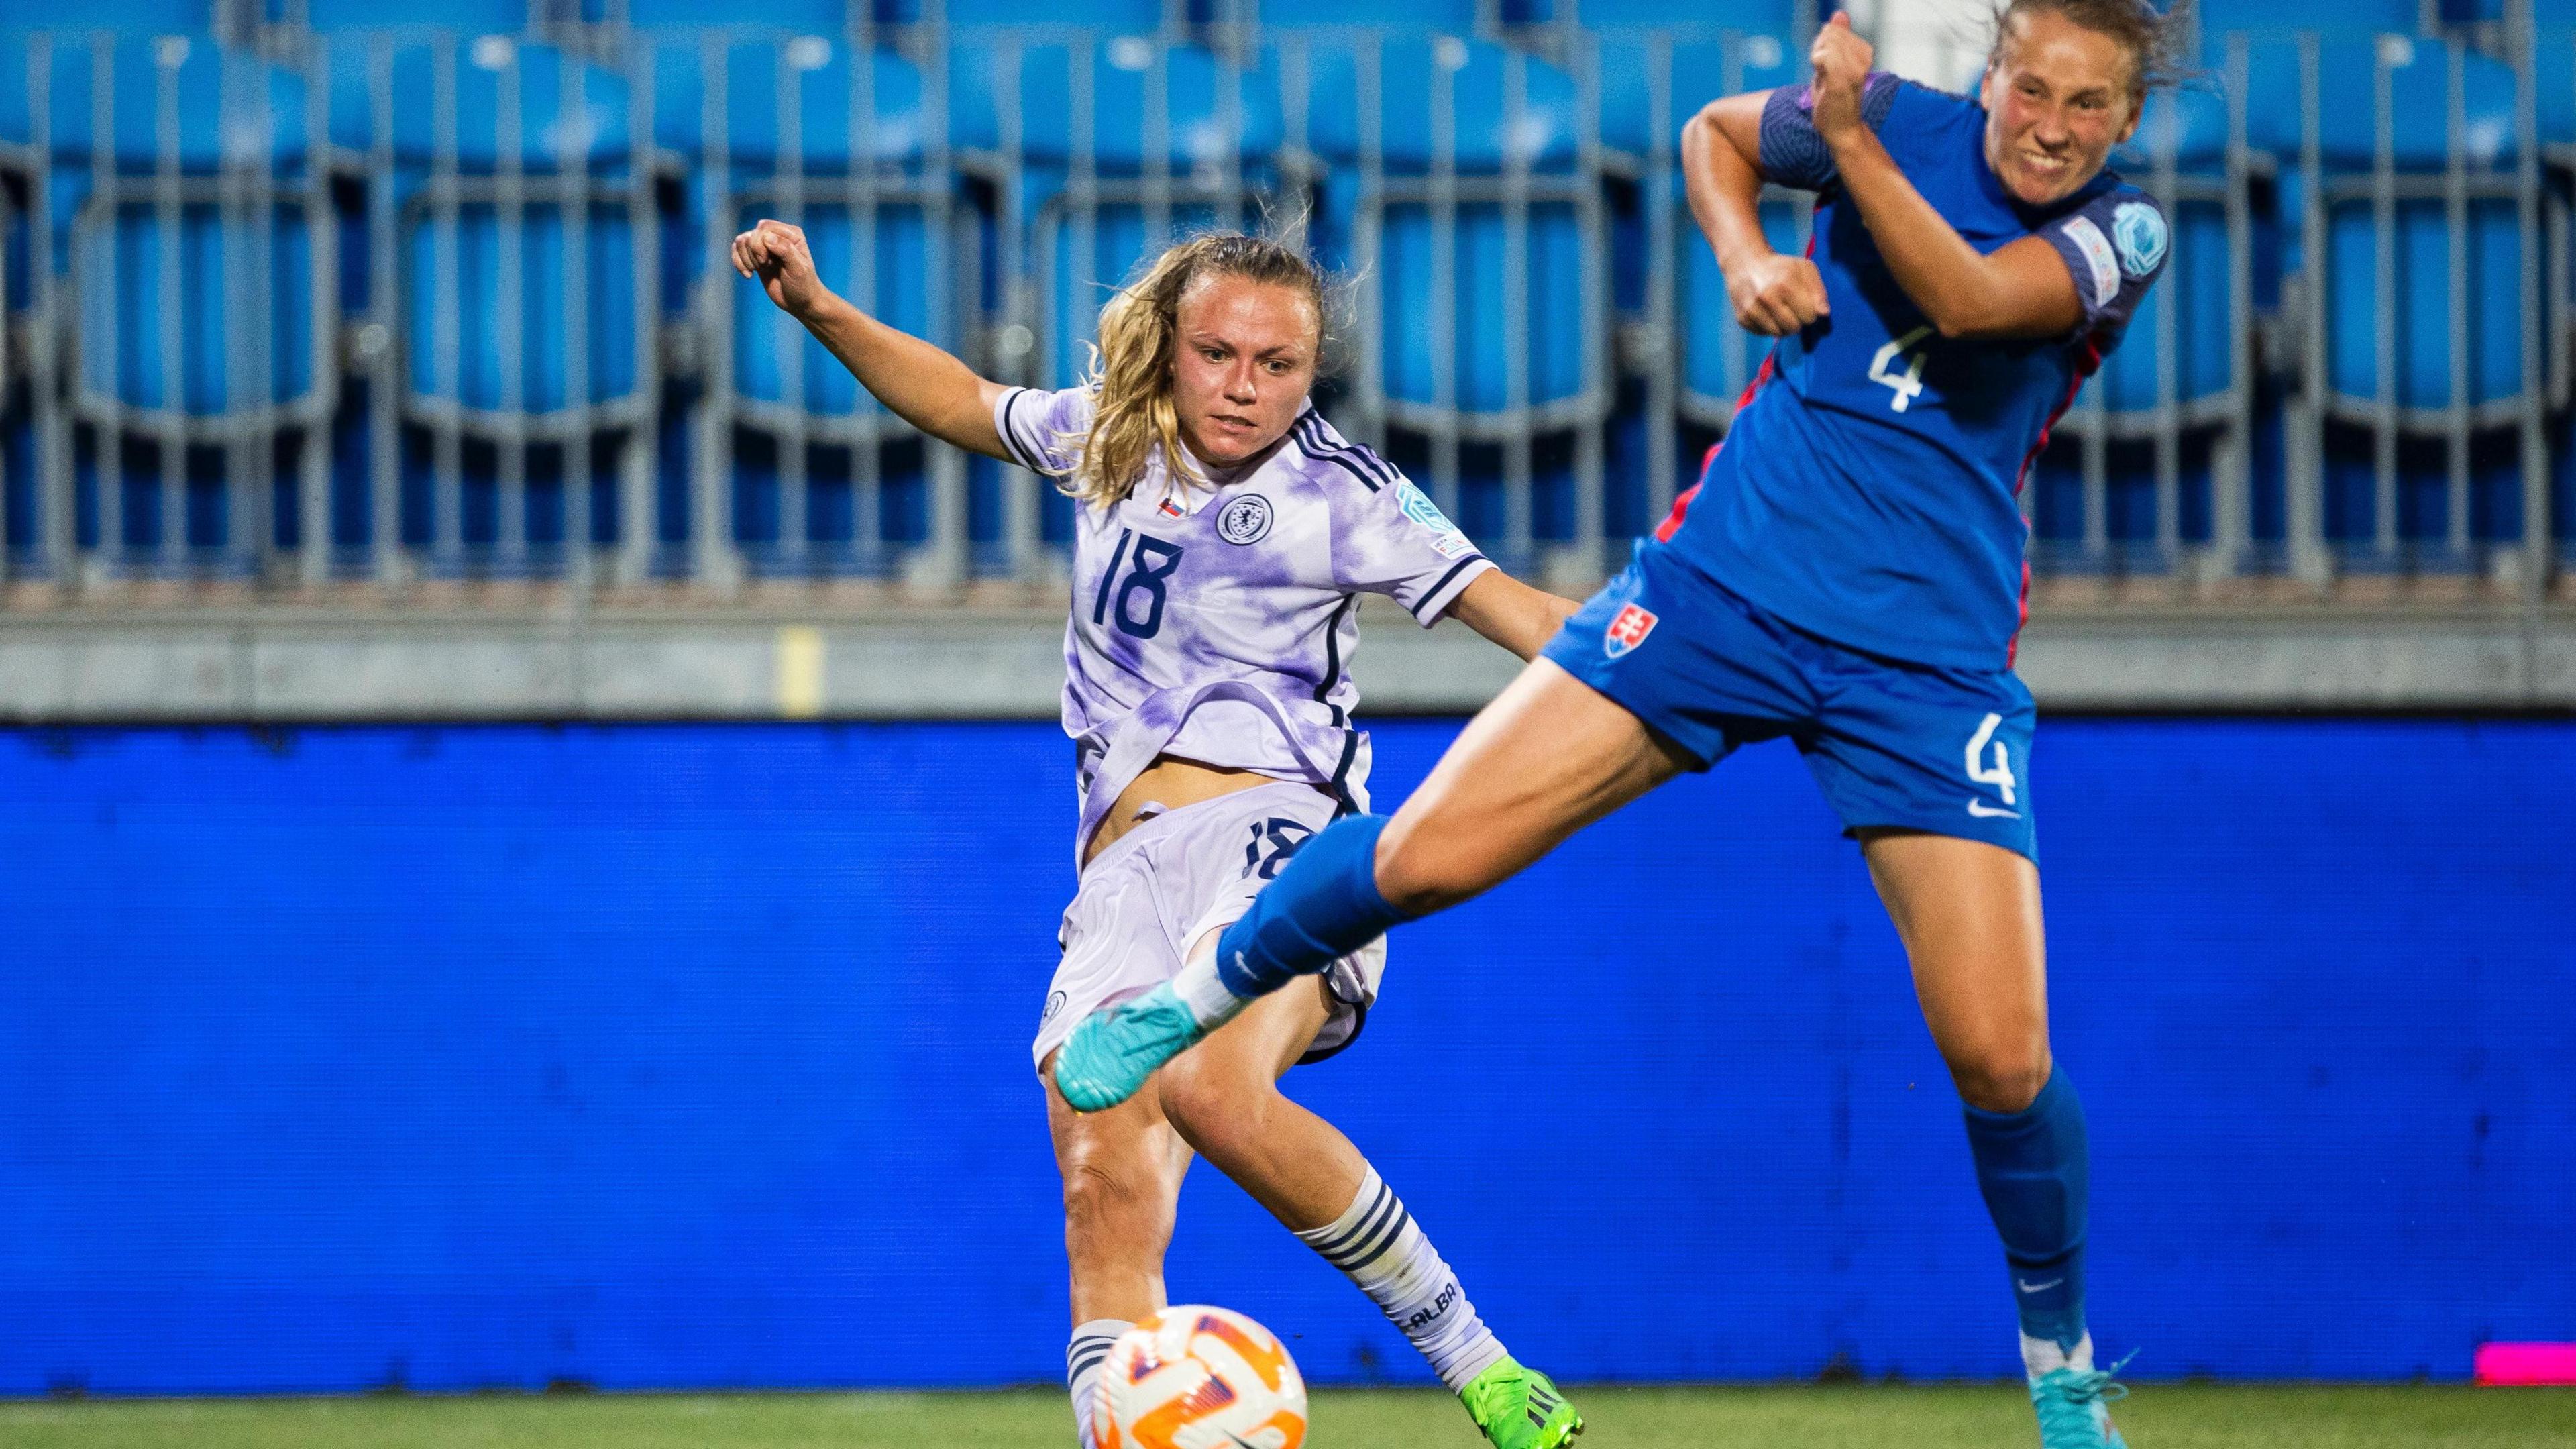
(1909, 383)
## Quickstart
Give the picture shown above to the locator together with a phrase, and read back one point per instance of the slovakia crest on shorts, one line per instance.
(1627, 631)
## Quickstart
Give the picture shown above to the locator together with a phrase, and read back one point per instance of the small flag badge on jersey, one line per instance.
(1627, 631)
(1169, 509)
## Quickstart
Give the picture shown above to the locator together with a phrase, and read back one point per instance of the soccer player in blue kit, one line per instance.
(1847, 573)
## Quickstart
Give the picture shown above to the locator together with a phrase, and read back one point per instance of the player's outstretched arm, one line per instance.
(924, 386)
(1773, 295)
(1511, 613)
(2021, 289)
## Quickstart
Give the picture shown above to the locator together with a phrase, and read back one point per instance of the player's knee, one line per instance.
(1422, 869)
(1216, 1108)
(1107, 1195)
(2001, 1076)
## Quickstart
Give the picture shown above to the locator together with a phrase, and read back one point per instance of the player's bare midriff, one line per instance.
(1170, 782)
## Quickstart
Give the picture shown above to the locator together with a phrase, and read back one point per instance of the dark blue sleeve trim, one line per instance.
(1793, 151)
(1432, 595)
(1010, 429)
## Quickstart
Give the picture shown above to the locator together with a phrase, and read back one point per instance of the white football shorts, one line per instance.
(1156, 890)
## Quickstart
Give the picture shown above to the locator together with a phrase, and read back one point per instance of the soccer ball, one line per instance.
(1193, 1377)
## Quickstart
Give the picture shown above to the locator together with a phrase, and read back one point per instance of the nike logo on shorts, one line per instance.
(1984, 811)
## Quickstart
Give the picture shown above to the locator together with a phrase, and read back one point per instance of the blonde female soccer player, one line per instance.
(1225, 535)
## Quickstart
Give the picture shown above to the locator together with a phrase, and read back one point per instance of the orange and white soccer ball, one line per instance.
(1193, 1377)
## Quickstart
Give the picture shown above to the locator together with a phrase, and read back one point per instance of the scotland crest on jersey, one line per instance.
(1244, 519)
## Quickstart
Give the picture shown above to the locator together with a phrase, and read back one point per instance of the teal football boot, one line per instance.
(1112, 1052)
(2074, 1410)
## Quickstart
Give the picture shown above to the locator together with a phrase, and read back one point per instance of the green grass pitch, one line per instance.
(2160, 1416)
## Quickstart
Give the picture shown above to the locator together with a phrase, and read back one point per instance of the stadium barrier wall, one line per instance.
(341, 1059)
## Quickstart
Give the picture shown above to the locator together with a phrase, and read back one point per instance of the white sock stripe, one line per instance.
(1360, 1260)
(1083, 1356)
(1364, 1240)
(1090, 1344)
(1365, 1207)
(1386, 1240)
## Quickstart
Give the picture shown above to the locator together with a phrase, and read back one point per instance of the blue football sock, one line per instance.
(2033, 1166)
(1323, 906)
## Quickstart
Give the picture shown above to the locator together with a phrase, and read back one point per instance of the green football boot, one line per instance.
(2073, 1407)
(1112, 1052)
(1519, 1408)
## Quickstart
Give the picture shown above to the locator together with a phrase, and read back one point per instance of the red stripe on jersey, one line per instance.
(1672, 523)
(2085, 366)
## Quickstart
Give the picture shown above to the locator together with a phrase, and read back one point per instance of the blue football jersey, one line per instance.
(1869, 491)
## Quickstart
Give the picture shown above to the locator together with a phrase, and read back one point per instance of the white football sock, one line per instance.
(2040, 1355)
(1082, 1360)
(1203, 991)
(1384, 1251)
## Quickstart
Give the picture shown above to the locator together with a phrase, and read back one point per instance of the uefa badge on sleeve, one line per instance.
(1627, 631)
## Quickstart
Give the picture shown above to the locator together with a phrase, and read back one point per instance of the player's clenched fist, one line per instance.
(775, 254)
(1776, 295)
(1841, 61)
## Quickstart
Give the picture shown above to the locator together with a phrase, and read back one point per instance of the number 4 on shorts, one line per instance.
(1994, 769)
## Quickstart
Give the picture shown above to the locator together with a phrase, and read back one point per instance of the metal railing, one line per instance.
(370, 310)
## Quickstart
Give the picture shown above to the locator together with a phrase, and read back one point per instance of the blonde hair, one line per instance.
(1131, 374)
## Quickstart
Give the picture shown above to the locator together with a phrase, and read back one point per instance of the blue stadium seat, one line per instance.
(462, 17)
(117, 274)
(1545, 135)
(1561, 360)
(134, 17)
(2364, 17)
(566, 107)
(2347, 77)
(2423, 251)
(819, 65)
(1200, 144)
(1752, 17)
(1132, 17)
(831, 152)
(814, 17)
(1701, 65)
(1718, 357)
(1455, 16)
(2554, 70)
(138, 64)
(1120, 69)
(113, 246)
(595, 126)
(195, 321)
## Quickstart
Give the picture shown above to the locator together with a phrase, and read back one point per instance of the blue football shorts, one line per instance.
(1892, 744)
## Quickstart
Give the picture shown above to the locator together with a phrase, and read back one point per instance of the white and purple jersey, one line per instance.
(1216, 624)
